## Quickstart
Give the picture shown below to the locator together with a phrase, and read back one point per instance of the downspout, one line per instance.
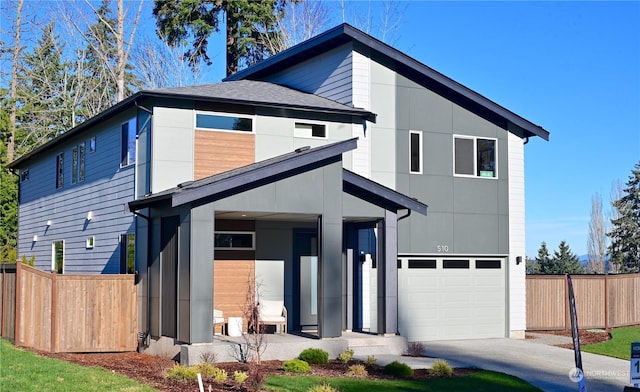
(405, 215)
(144, 336)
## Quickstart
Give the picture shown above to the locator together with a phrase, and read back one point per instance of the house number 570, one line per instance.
(442, 248)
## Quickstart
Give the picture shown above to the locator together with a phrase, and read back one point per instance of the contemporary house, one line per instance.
(306, 175)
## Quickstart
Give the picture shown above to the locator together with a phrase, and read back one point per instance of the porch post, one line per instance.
(201, 274)
(386, 255)
(330, 255)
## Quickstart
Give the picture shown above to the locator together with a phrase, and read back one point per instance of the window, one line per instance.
(310, 130)
(127, 253)
(90, 242)
(59, 170)
(224, 123)
(57, 257)
(92, 144)
(415, 152)
(488, 264)
(422, 264)
(77, 163)
(24, 175)
(475, 157)
(234, 240)
(463, 264)
(128, 154)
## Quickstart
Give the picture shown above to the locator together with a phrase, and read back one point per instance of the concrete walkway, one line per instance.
(542, 365)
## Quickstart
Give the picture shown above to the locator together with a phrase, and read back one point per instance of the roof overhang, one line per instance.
(249, 177)
(405, 65)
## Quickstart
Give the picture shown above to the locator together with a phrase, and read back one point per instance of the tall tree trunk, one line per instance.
(11, 144)
(232, 41)
(122, 60)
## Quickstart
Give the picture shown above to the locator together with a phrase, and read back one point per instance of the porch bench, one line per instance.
(273, 313)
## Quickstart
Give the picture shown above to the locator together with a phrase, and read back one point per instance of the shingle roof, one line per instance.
(405, 65)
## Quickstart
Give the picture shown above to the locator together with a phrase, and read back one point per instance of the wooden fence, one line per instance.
(73, 313)
(7, 300)
(602, 301)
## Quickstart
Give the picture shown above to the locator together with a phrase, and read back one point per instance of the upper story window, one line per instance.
(310, 130)
(24, 175)
(92, 144)
(224, 123)
(475, 157)
(59, 170)
(415, 152)
(77, 163)
(128, 146)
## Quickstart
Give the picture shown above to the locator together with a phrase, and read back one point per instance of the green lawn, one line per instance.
(483, 380)
(22, 370)
(620, 344)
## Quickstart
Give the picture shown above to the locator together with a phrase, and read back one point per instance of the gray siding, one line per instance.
(328, 75)
(105, 190)
(466, 215)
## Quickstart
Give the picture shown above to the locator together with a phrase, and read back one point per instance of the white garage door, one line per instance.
(451, 298)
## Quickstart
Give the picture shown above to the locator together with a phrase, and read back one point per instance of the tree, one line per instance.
(246, 22)
(597, 240)
(8, 197)
(542, 263)
(625, 233)
(15, 59)
(566, 261)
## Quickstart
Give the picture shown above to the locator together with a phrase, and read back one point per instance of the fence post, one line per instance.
(606, 301)
(17, 332)
(566, 302)
(54, 312)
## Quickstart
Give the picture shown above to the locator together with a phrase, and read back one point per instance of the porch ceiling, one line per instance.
(287, 217)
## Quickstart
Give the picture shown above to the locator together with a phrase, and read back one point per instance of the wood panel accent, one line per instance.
(216, 152)
(232, 280)
(76, 313)
(602, 301)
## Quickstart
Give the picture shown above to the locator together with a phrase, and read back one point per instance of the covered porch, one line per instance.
(303, 212)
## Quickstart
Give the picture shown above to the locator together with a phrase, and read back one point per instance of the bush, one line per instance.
(324, 387)
(239, 376)
(346, 356)
(219, 375)
(415, 349)
(396, 368)
(180, 372)
(314, 355)
(441, 368)
(205, 369)
(371, 360)
(357, 371)
(296, 366)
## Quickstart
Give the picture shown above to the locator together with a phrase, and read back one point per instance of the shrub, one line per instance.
(205, 369)
(324, 387)
(314, 355)
(296, 366)
(346, 356)
(441, 368)
(180, 372)
(219, 375)
(415, 349)
(239, 376)
(396, 368)
(371, 360)
(208, 357)
(357, 371)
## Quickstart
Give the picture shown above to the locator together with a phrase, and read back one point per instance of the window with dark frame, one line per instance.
(475, 157)
(128, 146)
(415, 152)
(59, 170)
(57, 257)
(92, 144)
(488, 264)
(81, 160)
(310, 130)
(430, 264)
(234, 240)
(24, 175)
(127, 253)
(224, 123)
(74, 165)
(455, 264)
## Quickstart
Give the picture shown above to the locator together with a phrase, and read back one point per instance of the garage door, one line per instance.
(451, 298)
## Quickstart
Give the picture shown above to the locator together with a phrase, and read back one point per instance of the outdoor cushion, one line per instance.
(272, 311)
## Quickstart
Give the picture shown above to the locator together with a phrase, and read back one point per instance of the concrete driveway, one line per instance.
(542, 365)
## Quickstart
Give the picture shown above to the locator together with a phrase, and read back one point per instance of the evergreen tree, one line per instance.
(566, 261)
(625, 233)
(8, 196)
(247, 24)
(542, 263)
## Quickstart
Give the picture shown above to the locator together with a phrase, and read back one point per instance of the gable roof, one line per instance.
(245, 92)
(251, 176)
(404, 65)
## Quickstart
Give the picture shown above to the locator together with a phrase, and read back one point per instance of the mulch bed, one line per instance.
(586, 337)
(149, 369)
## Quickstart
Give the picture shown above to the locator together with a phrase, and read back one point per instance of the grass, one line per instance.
(483, 380)
(620, 344)
(25, 371)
